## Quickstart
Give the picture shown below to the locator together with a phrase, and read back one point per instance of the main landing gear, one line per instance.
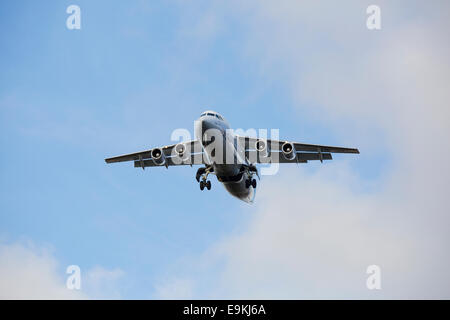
(206, 184)
(250, 182)
(202, 173)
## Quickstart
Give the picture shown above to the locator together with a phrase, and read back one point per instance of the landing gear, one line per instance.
(250, 182)
(250, 172)
(204, 184)
(202, 174)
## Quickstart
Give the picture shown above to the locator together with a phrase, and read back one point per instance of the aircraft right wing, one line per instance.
(183, 153)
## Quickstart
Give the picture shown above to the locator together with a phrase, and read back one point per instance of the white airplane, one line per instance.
(230, 157)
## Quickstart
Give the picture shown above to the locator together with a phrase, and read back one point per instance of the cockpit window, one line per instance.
(212, 115)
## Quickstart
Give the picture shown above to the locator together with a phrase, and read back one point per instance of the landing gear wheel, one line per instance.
(254, 184)
(202, 185)
(247, 183)
(208, 185)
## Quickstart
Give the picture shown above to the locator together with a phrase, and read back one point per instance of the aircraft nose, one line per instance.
(201, 126)
(206, 125)
(209, 131)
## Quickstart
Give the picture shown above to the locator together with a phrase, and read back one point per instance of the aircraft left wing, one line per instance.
(183, 153)
(297, 152)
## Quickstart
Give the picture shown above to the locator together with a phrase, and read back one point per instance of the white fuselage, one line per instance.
(221, 152)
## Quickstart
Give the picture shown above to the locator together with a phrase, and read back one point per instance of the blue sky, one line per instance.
(134, 72)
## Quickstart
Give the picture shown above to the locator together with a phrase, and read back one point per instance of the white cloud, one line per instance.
(312, 235)
(316, 238)
(27, 272)
(102, 283)
(31, 272)
(174, 288)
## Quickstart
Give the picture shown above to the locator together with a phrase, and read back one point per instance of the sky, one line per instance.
(137, 70)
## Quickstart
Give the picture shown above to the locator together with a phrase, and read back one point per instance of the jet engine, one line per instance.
(288, 151)
(158, 157)
(181, 152)
(261, 148)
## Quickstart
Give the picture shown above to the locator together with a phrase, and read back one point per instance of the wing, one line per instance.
(302, 152)
(183, 153)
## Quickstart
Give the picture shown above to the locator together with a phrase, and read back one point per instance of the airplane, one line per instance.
(232, 158)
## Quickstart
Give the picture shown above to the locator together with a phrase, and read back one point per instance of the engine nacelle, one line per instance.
(158, 157)
(288, 151)
(261, 148)
(181, 152)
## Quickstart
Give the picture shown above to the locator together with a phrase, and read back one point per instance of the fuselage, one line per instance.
(221, 153)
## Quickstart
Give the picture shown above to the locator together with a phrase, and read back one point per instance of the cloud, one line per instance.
(31, 272)
(102, 283)
(27, 272)
(313, 233)
(316, 238)
(174, 288)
